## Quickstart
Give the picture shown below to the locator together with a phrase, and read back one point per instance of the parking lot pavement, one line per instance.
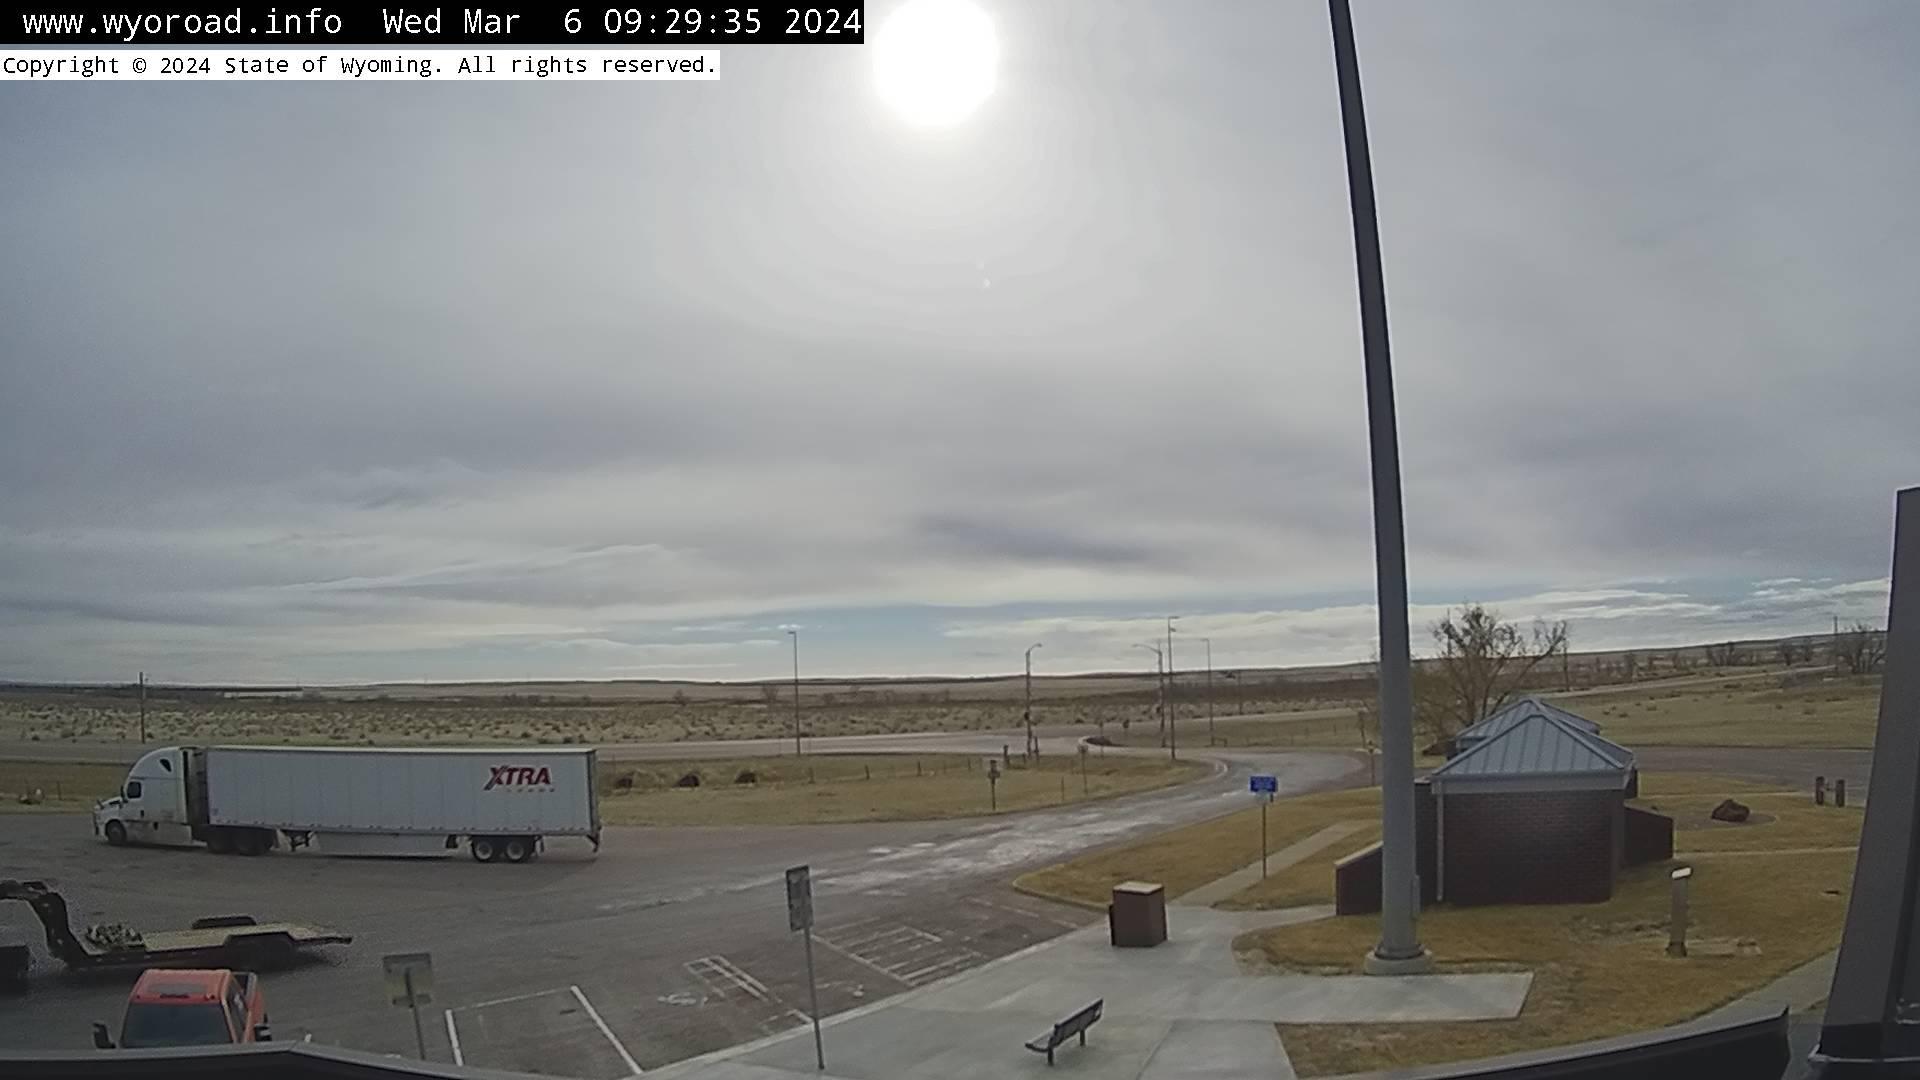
(676, 939)
(556, 1031)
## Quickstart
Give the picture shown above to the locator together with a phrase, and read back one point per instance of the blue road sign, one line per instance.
(1263, 784)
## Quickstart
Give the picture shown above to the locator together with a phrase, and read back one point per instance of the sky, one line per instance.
(344, 383)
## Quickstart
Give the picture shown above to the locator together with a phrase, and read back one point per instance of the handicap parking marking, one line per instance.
(898, 950)
(1024, 912)
(723, 978)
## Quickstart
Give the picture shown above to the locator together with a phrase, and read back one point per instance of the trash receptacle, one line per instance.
(1137, 918)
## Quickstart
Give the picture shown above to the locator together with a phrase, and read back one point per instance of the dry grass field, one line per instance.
(1768, 896)
(1837, 712)
(1253, 708)
(833, 788)
(815, 789)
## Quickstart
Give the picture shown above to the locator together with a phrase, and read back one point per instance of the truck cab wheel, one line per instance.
(116, 833)
(484, 848)
(518, 849)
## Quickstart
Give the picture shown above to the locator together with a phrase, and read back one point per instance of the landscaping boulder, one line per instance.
(1728, 810)
(692, 779)
(623, 782)
(747, 776)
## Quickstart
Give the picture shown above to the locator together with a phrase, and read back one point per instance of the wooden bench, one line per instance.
(1077, 1024)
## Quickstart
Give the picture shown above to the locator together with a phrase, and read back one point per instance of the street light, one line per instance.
(1399, 952)
(1159, 680)
(1173, 733)
(794, 633)
(1208, 642)
(1033, 744)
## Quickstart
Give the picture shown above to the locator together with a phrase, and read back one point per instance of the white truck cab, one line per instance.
(151, 807)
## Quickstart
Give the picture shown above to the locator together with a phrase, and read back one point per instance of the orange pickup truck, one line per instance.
(188, 1007)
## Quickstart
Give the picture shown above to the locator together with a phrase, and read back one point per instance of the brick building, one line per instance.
(1531, 810)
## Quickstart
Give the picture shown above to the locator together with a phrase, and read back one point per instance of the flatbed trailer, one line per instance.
(237, 941)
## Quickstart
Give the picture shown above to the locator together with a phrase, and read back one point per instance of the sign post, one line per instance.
(1083, 768)
(1268, 786)
(410, 983)
(800, 918)
(1677, 917)
(993, 785)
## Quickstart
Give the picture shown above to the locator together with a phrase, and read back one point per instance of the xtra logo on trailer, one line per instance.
(518, 776)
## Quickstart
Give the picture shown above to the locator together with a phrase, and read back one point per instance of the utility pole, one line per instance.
(143, 708)
(1033, 742)
(1399, 951)
(794, 633)
(1566, 661)
(1173, 727)
(1208, 642)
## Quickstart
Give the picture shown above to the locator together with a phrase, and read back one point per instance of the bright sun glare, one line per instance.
(935, 60)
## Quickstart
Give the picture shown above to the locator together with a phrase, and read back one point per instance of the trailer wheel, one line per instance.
(484, 848)
(219, 841)
(250, 842)
(116, 834)
(518, 849)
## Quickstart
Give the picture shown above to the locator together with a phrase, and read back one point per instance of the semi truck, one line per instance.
(502, 804)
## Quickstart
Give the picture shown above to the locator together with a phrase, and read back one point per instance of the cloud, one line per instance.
(365, 402)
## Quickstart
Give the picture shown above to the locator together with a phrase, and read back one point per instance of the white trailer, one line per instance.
(502, 803)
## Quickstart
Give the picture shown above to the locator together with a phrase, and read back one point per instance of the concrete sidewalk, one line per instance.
(1215, 891)
(1180, 1010)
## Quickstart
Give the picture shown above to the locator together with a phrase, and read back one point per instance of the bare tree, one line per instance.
(1630, 662)
(770, 694)
(1861, 648)
(1723, 655)
(1481, 661)
(1794, 651)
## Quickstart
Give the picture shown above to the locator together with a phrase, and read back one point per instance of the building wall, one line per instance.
(1536, 847)
(1649, 836)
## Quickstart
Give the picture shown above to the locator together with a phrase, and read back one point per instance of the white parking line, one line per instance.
(508, 1000)
(984, 902)
(856, 958)
(951, 962)
(453, 1039)
(710, 968)
(632, 1065)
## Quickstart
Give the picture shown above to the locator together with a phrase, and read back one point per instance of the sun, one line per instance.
(935, 60)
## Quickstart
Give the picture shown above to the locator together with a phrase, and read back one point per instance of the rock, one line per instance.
(747, 776)
(1728, 810)
(623, 782)
(692, 779)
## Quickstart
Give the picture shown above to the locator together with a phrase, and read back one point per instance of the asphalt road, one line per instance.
(669, 943)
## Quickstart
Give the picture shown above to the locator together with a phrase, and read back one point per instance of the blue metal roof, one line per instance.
(1517, 710)
(1539, 744)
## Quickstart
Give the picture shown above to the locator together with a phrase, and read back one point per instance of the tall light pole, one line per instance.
(1159, 679)
(1399, 951)
(1173, 732)
(794, 633)
(1033, 744)
(1208, 642)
